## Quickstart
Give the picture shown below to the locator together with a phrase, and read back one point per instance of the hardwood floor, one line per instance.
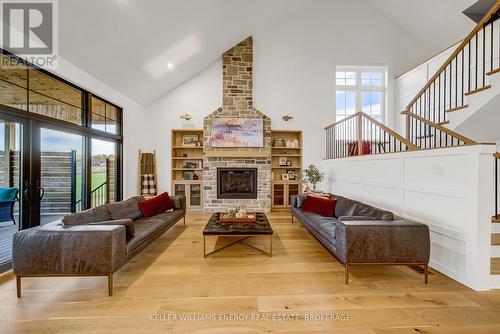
(171, 277)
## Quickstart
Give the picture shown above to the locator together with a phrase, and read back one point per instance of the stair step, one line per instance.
(458, 108)
(443, 123)
(495, 266)
(495, 239)
(477, 90)
(493, 72)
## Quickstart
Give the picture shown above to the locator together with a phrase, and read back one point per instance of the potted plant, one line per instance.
(313, 176)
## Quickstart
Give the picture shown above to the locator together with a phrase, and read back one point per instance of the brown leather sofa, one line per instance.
(89, 248)
(361, 234)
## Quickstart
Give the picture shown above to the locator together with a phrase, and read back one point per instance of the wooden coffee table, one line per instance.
(238, 232)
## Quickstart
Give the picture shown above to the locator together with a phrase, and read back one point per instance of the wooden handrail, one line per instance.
(466, 140)
(393, 133)
(344, 120)
(459, 49)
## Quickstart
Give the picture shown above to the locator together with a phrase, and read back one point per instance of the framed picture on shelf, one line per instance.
(282, 161)
(187, 175)
(190, 140)
(289, 162)
(284, 177)
(291, 174)
(194, 164)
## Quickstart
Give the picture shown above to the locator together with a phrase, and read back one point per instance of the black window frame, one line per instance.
(85, 129)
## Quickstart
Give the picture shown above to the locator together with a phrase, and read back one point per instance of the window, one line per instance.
(105, 116)
(360, 89)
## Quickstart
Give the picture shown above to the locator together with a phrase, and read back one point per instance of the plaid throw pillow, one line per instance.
(148, 185)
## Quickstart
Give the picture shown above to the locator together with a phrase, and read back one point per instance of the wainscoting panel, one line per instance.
(450, 190)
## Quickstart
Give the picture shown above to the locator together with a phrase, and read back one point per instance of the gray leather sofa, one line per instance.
(85, 245)
(361, 234)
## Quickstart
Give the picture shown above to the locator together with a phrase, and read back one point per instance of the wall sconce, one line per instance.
(286, 117)
(186, 117)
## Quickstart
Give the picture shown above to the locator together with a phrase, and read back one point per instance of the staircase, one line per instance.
(460, 105)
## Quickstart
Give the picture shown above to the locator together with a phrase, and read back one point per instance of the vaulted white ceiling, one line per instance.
(144, 48)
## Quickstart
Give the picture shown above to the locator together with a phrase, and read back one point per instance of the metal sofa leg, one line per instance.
(110, 285)
(346, 274)
(426, 273)
(18, 286)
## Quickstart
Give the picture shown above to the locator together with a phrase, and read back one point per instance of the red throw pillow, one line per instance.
(320, 205)
(156, 205)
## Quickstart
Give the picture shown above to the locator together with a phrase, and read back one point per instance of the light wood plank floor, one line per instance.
(302, 278)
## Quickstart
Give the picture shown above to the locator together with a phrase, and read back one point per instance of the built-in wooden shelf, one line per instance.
(188, 147)
(286, 148)
(192, 189)
(281, 190)
(187, 158)
(286, 155)
(188, 169)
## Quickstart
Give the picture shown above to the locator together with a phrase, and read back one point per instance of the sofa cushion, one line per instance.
(344, 206)
(324, 226)
(320, 205)
(363, 209)
(128, 209)
(355, 218)
(147, 227)
(97, 214)
(349, 207)
(128, 223)
(156, 205)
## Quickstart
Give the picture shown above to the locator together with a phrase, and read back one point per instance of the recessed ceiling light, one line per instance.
(170, 65)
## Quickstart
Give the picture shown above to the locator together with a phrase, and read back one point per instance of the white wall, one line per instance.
(133, 116)
(450, 190)
(294, 73)
(410, 83)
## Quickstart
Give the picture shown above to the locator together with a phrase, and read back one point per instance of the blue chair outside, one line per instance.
(8, 197)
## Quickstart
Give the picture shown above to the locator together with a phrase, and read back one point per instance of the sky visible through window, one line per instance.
(360, 90)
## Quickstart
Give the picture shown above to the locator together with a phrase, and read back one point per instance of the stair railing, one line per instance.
(361, 134)
(426, 134)
(462, 74)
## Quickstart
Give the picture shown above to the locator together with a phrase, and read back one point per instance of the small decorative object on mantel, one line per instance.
(190, 140)
(195, 177)
(287, 117)
(282, 161)
(279, 142)
(295, 143)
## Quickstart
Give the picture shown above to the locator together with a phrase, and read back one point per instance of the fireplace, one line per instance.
(237, 183)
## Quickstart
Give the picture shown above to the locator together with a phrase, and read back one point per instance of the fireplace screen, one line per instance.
(237, 183)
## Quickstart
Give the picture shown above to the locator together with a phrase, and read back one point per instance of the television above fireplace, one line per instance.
(237, 183)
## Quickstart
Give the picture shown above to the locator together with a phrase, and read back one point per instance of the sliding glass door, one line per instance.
(60, 176)
(13, 179)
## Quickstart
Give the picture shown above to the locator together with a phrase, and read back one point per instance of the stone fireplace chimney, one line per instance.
(237, 77)
(237, 102)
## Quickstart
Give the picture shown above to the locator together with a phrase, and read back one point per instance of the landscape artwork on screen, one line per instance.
(237, 132)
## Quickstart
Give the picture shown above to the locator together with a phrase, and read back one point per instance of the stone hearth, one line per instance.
(237, 102)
